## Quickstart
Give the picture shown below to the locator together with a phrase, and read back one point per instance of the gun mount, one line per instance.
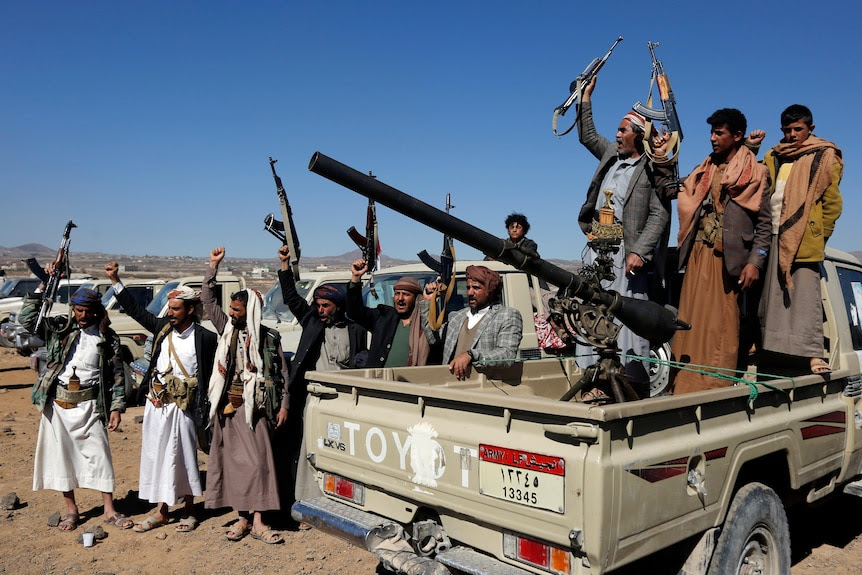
(647, 319)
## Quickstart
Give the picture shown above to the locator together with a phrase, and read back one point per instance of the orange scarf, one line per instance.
(744, 179)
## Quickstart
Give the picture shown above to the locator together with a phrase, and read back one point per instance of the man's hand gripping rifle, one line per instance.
(284, 229)
(667, 115)
(445, 269)
(577, 89)
(52, 280)
(369, 244)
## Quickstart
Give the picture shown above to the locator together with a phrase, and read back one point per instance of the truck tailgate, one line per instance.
(421, 454)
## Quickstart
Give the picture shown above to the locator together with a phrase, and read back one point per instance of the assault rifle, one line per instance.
(53, 282)
(369, 244)
(667, 115)
(445, 269)
(284, 230)
(577, 89)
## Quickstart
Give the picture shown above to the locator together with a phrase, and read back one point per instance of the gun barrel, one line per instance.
(439, 220)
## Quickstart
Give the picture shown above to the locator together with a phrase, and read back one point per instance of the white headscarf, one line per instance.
(250, 375)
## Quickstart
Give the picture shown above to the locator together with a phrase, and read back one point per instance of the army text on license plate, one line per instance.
(527, 478)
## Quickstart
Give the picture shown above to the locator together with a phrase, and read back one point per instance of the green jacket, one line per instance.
(59, 339)
(821, 219)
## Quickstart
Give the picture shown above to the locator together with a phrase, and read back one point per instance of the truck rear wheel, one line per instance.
(755, 538)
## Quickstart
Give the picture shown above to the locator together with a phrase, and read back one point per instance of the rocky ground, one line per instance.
(827, 539)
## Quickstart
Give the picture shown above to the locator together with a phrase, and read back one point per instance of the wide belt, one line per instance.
(67, 398)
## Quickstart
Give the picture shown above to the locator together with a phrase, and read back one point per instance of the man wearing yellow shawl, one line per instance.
(804, 173)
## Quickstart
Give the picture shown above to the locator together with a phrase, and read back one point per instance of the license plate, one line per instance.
(523, 477)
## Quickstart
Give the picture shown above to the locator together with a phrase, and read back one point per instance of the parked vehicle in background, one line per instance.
(18, 287)
(13, 335)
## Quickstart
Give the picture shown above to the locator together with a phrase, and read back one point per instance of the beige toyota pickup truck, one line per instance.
(497, 475)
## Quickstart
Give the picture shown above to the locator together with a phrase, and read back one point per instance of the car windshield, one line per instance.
(274, 307)
(65, 291)
(7, 288)
(157, 305)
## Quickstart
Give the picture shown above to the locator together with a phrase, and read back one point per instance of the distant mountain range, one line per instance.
(13, 255)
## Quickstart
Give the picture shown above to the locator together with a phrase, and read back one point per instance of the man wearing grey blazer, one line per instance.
(484, 334)
(639, 190)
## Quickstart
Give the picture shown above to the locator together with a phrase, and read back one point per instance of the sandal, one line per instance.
(120, 521)
(149, 524)
(239, 530)
(187, 524)
(268, 536)
(596, 395)
(69, 522)
(819, 366)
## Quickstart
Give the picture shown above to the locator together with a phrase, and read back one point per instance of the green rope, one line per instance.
(723, 373)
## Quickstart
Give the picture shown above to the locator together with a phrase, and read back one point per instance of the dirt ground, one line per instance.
(827, 539)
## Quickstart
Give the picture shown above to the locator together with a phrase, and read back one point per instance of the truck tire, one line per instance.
(755, 538)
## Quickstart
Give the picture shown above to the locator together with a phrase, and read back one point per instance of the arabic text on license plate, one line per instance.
(527, 478)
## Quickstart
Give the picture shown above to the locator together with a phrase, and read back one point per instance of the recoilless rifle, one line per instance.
(577, 89)
(284, 229)
(645, 318)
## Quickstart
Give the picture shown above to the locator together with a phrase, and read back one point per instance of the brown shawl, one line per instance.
(417, 344)
(805, 185)
(743, 179)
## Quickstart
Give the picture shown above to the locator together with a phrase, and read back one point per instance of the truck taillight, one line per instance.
(344, 488)
(543, 555)
(140, 338)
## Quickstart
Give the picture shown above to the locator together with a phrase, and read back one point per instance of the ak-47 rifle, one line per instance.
(369, 244)
(667, 115)
(284, 229)
(445, 269)
(61, 263)
(577, 89)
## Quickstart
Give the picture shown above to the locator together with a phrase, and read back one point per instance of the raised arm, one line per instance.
(214, 311)
(141, 315)
(296, 303)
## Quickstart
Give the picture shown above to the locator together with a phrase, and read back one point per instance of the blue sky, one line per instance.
(150, 123)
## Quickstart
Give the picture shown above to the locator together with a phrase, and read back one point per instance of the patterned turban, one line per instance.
(185, 293)
(485, 276)
(636, 119)
(331, 292)
(86, 297)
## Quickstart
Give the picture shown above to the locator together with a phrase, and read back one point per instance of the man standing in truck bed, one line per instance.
(486, 333)
(724, 231)
(249, 367)
(639, 195)
(176, 382)
(398, 335)
(804, 173)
